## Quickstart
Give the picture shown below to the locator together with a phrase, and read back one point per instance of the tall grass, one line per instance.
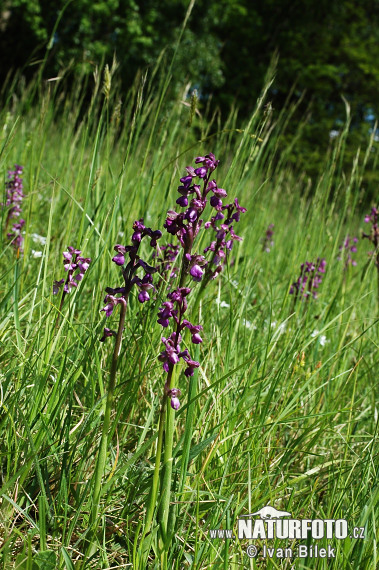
(282, 416)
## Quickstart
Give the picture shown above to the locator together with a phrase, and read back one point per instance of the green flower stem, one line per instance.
(102, 455)
(192, 393)
(166, 420)
(154, 488)
(164, 503)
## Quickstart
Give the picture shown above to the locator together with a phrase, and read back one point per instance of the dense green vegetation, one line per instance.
(286, 412)
(327, 51)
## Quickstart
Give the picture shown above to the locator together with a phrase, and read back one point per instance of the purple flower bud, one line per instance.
(56, 286)
(138, 225)
(196, 338)
(83, 264)
(186, 181)
(69, 285)
(179, 294)
(215, 202)
(69, 266)
(196, 272)
(191, 171)
(191, 214)
(136, 237)
(238, 207)
(220, 192)
(189, 371)
(182, 201)
(107, 333)
(119, 259)
(175, 404)
(173, 394)
(143, 296)
(74, 251)
(110, 304)
(155, 235)
(201, 172)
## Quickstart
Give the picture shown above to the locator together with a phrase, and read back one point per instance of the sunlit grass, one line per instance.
(286, 412)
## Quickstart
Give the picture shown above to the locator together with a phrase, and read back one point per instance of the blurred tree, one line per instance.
(327, 49)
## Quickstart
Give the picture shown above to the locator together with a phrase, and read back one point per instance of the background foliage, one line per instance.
(326, 50)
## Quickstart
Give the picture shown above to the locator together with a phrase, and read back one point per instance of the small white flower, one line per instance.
(38, 239)
(36, 253)
(281, 327)
(322, 338)
(222, 304)
(249, 325)
(121, 234)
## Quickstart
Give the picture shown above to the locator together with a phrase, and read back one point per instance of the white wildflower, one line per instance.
(38, 239)
(281, 327)
(321, 339)
(36, 253)
(222, 304)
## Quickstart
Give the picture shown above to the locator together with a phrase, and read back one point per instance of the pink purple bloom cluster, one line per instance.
(225, 236)
(174, 309)
(309, 279)
(186, 225)
(346, 249)
(76, 266)
(14, 197)
(267, 241)
(373, 236)
(194, 190)
(119, 295)
(165, 259)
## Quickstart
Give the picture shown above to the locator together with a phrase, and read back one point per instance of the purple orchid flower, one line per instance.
(128, 259)
(76, 266)
(309, 280)
(14, 198)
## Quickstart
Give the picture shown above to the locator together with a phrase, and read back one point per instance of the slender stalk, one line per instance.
(154, 488)
(192, 392)
(60, 308)
(164, 504)
(102, 455)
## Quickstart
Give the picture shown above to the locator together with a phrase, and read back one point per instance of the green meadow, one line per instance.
(282, 411)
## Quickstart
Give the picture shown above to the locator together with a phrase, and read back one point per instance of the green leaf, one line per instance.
(45, 560)
(201, 446)
(67, 559)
